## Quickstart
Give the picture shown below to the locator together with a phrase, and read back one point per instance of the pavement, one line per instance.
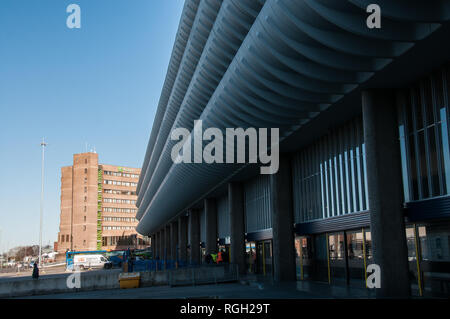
(219, 291)
(246, 288)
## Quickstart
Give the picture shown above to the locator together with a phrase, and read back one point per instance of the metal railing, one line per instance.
(158, 265)
(203, 274)
(180, 273)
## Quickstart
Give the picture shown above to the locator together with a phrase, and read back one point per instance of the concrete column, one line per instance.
(153, 238)
(163, 244)
(211, 225)
(182, 238)
(158, 244)
(387, 224)
(173, 240)
(283, 222)
(194, 220)
(167, 242)
(237, 234)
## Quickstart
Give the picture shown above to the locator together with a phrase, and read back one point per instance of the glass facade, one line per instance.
(429, 258)
(329, 177)
(257, 204)
(259, 257)
(424, 145)
(337, 258)
(424, 137)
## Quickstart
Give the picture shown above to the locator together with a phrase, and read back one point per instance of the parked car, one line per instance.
(91, 261)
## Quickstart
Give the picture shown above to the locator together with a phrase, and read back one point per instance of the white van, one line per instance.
(90, 261)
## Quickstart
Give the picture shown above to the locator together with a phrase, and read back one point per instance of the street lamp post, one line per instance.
(43, 144)
(1, 251)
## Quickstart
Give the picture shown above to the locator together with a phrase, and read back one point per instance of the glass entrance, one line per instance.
(338, 262)
(250, 256)
(264, 258)
(356, 258)
(259, 257)
(319, 263)
(429, 258)
(304, 257)
(338, 258)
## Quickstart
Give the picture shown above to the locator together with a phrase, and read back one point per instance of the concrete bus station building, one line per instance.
(364, 170)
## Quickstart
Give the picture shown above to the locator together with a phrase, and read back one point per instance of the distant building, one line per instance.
(98, 206)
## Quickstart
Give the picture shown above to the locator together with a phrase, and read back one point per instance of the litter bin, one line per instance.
(129, 280)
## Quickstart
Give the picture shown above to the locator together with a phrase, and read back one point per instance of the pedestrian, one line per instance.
(220, 257)
(225, 257)
(214, 258)
(208, 259)
(35, 274)
(130, 263)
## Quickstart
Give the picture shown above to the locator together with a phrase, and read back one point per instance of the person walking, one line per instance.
(225, 256)
(130, 261)
(214, 258)
(220, 257)
(35, 274)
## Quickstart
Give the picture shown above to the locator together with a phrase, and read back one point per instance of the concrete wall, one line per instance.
(95, 280)
(100, 280)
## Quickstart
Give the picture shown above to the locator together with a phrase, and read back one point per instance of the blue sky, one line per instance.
(98, 85)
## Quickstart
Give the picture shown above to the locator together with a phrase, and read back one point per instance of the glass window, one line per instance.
(424, 139)
(355, 255)
(434, 244)
(329, 176)
(336, 248)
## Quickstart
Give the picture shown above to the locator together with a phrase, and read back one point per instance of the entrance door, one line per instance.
(356, 262)
(319, 265)
(250, 254)
(304, 257)
(336, 250)
(338, 258)
(264, 258)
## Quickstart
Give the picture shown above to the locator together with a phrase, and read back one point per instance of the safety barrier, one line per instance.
(180, 273)
(203, 274)
(158, 265)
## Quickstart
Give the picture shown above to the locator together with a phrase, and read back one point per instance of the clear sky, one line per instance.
(98, 85)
